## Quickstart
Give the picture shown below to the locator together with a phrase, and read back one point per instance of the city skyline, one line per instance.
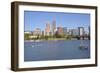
(37, 19)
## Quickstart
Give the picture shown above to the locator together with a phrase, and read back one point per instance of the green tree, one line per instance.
(26, 36)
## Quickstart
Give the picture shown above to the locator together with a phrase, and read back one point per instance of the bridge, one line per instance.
(83, 37)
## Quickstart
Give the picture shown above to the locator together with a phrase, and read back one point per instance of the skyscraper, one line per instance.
(81, 31)
(43, 33)
(69, 32)
(47, 29)
(74, 32)
(59, 30)
(53, 27)
(65, 30)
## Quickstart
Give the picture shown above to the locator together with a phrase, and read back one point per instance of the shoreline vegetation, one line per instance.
(30, 37)
(51, 39)
(44, 40)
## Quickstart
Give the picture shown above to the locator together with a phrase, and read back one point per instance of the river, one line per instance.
(55, 50)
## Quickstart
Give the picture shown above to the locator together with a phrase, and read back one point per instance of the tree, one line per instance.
(26, 36)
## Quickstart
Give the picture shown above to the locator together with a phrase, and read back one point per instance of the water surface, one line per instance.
(55, 50)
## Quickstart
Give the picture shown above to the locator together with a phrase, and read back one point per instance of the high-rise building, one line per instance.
(69, 32)
(53, 27)
(65, 30)
(74, 32)
(43, 33)
(59, 30)
(47, 29)
(81, 31)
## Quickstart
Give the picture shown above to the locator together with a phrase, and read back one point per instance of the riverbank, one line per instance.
(50, 39)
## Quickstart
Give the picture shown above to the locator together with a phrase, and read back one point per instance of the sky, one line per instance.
(38, 19)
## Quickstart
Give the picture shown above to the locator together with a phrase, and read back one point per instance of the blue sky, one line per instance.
(37, 19)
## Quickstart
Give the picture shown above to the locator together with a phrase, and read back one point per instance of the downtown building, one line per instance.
(37, 32)
(74, 32)
(65, 32)
(59, 30)
(47, 29)
(69, 31)
(53, 28)
(81, 31)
